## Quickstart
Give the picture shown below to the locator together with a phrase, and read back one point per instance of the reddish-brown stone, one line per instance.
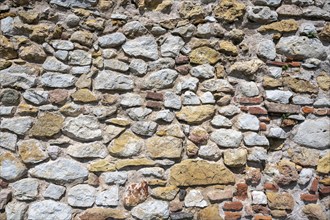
(262, 126)
(233, 206)
(287, 122)
(3, 184)
(220, 195)
(260, 209)
(307, 109)
(155, 96)
(58, 96)
(314, 186)
(282, 108)
(257, 110)
(183, 69)
(309, 197)
(324, 190)
(248, 100)
(241, 192)
(232, 215)
(271, 186)
(253, 176)
(154, 104)
(320, 111)
(262, 217)
(135, 194)
(244, 108)
(181, 59)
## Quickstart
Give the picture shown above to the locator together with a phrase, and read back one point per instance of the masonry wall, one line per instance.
(164, 109)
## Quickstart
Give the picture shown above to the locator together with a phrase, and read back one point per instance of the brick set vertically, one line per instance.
(164, 109)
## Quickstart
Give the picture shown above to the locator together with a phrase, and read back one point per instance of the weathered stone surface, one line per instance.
(25, 189)
(54, 191)
(300, 85)
(323, 165)
(287, 173)
(143, 162)
(267, 50)
(229, 10)
(227, 137)
(145, 47)
(49, 209)
(80, 57)
(204, 71)
(32, 151)
(109, 197)
(303, 156)
(135, 194)
(5, 197)
(165, 193)
(11, 167)
(282, 26)
(314, 211)
(115, 65)
(314, 133)
(254, 139)
(112, 40)
(323, 80)
(195, 198)
(195, 114)
(261, 14)
(210, 212)
(54, 65)
(117, 81)
(187, 173)
(82, 37)
(280, 201)
(8, 140)
(235, 157)
(126, 145)
(171, 46)
(247, 68)
(247, 122)
(210, 151)
(57, 80)
(82, 195)
(83, 127)
(47, 125)
(153, 209)
(160, 79)
(18, 125)
(33, 53)
(10, 97)
(90, 150)
(21, 80)
(61, 170)
(98, 213)
(7, 50)
(114, 177)
(164, 147)
(134, 29)
(144, 128)
(203, 55)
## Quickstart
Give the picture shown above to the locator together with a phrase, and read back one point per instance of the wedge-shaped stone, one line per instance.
(61, 170)
(164, 147)
(200, 172)
(195, 114)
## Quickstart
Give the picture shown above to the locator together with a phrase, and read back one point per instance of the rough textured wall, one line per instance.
(161, 109)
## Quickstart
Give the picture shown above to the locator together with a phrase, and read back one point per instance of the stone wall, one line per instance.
(164, 109)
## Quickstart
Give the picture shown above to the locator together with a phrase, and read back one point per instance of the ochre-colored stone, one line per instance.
(325, 33)
(134, 163)
(191, 11)
(28, 16)
(323, 165)
(280, 201)
(314, 211)
(119, 121)
(7, 50)
(47, 125)
(210, 212)
(102, 165)
(32, 151)
(33, 53)
(188, 173)
(202, 55)
(84, 95)
(124, 143)
(283, 26)
(299, 85)
(195, 114)
(98, 213)
(165, 193)
(270, 82)
(323, 80)
(229, 10)
(164, 147)
(4, 64)
(25, 109)
(228, 48)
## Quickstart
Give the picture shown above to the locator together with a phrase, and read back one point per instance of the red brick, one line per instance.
(155, 96)
(314, 186)
(232, 215)
(271, 186)
(307, 109)
(233, 206)
(262, 126)
(320, 111)
(281, 108)
(262, 217)
(154, 105)
(324, 190)
(181, 59)
(241, 192)
(253, 100)
(309, 197)
(184, 69)
(257, 110)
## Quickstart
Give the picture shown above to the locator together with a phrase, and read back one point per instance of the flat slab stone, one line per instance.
(49, 209)
(145, 47)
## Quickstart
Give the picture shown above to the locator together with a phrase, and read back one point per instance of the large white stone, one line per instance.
(144, 46)
(48, 209)
(227, 137)
(150, 210)
(108, 197)
(82, 195)
(194, 198)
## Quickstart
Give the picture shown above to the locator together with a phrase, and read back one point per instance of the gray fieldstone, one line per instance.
(108, 197)
(229, 110)
(165, 115)
(189, 83)
(131, 100)
(161, 63)
(160, 79)
(82, 195)
(110, 80)
(7, 110)
(83, 127)
(204, 71)
(307, 29)
(171, 100)
(61, 170)
(267, 50)
(54, 65)
(8, 141)
(210, 151)
(314, 133)
(257, 154)
(62, 55)
(278, 96)
(49, 209)
(261, 14)
(80, 58)
(54, 192)
(152, 209)
(7, 26)
(277, 132)
(25, 189)
(112, 40)
(134, 29)
(190, 98)
(247, 122)
(18, 125)
(226, 137)
(145, 128)
(254, 139)
(249, 89)
(216, 85)
(272, 3)
(109, 53)
(115, 65)
(138, 67)
(114, 177)
(11, 167)
(57, 80)
(37, 97)
(62, 45)
(221, 121)
(302, 100)
(157, 172)
(207, 98)
(20, 80)
(139, 113)
(145, 47)
(74, 3)
(275, 72)
(171, 46)
(90, 150)
(15, 210)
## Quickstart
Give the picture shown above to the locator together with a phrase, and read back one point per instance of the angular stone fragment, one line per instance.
(314, 133)
(81, 195)
(18, 125)
(126, 145)
(98, 213)
(171, 46)
(160, 79)
(108, 197)
(32, 151)
(261, 14)
(187, 173)
(229, 10)
(112, 40)
(11, 168)
(115, 65)
(47, 125)
(247, 122)
(282, 26)
(21, 80)
(25, 189)
(57, 80)
(254, 139)
(204, 71)
(153, 209)
(280, 201)
(83, 127)
(80, 58)
(194, 198)
(203, 55)
(62, 45)
(164, 147)
(323, 165)
(165, 193)
(49, 209)
(82, 37)
(145, 128)
(195, 114)
(114, 177)
(135, 193)
(103, 165)
(110, 80)
(210, 212)
(33, 53)
(90, 150)
(267, 50)
(145, 47)
(54, 65)
(54, 191)
(304, 156)
(61, 170)
(300, 85)
(227, 137)
(282, 108)
(8, 140)
(323, 80)
(37, 97)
